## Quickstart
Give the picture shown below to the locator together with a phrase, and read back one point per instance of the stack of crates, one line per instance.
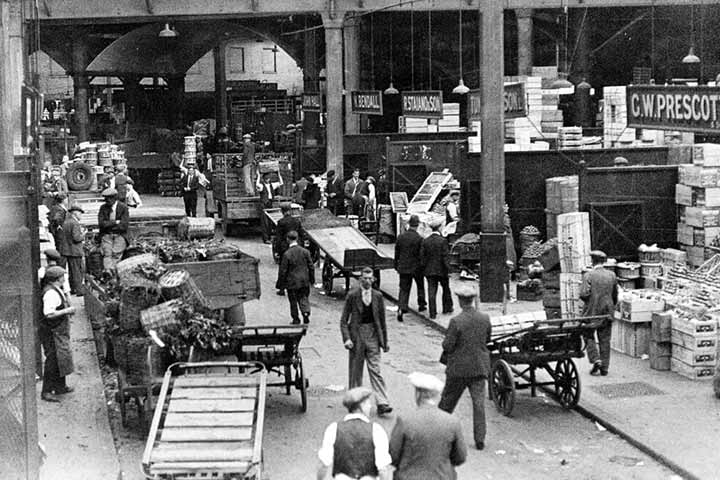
(615, 130)
(561, 196)
(694, 344)
(574, 252)
(698, 197)
(660, 341)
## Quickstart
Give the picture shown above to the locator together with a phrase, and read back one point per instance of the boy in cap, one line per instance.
(355, 448)
(428, 442)
(408, 266)
(599, 292)
(113, 220)
(54, 333)
(467, 359)
(71, 248)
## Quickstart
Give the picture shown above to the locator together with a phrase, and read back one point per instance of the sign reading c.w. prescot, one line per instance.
(366, 102)
(674, 107)
(422, 104)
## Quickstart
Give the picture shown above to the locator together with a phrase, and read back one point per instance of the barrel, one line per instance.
(628, 270)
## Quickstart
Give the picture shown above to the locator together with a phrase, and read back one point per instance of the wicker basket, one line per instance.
(190, 227)
(134, 300)
(162, 316)
(126, 270)
(179, 284)
(131, 356)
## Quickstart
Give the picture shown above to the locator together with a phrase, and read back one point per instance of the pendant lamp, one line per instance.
(461, 88)
(691, 57)
(562, 83)
(391, 90)
(167, 32)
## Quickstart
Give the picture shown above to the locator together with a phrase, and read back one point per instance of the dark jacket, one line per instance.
(352, 317)
(311, 196)
(465, 345)
(108, 226)
(599, 291)
(352, 189)
(334, 186)
(407, 252)
(434, 254)
(56, 217)
(427, 444)
(194, 181)
(71, 239)
(286, 224)
(296, 269)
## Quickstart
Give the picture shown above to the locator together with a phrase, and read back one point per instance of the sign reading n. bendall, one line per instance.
(674, 107)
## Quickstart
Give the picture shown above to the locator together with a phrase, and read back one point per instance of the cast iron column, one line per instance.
(219, 54)
(334, 72)
(525, 43)
(80, 86)
(352, 74)
(7, 111)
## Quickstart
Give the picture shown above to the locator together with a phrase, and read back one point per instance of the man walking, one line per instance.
(467, 360)
(267, 190)
(434, 255)
(71, 248)
(285, 225)
(407, 264)
(355, 448)
(190, 181)
(113, 220)
(364, 333)
(334, 192)
(427, 444)
(599, 291)
(295, 275)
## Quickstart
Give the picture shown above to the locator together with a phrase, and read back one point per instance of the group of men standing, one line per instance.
(357, 196)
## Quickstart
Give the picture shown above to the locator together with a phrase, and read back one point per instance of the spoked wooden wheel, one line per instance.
(567, 383)
(301, 383)
(503, 387)
(327, 276)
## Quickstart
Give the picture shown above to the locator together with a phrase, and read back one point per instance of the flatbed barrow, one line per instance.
(538, 347)
(208, 423)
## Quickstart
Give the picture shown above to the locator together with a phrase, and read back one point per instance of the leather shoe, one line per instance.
(433, 316)
(448, 311)
(596, 369)
(281, 293)
(295, 321)
(49, 397)
(422, 309)
(480, 445)
(400, 316)
(603, 373)
(62, 391)
(306, 318)
(384, 409)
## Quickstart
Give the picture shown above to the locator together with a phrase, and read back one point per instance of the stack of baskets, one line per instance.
(169, 182)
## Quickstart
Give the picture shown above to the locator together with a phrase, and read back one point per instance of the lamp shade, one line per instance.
(167, 32)
(461, 88)
(691, 57)
(391, 90)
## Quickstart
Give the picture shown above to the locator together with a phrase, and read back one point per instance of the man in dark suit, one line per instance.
(267, 190)
(427, 444)
(334, 192)
(71, 248)
(599, 291)
(434, 255)
(467, 359)
(354, 201)
(113, 220)
(285, 225)
(407, 264)
(190, 181)
(295, 275)
(364, 333)
(56, 218)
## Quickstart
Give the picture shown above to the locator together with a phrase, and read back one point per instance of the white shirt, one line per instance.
(366, 296)
(326, 454)
(112, 212)
(51, 301)
(452, 210)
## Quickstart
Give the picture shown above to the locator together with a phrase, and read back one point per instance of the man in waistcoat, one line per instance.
(113, 220)
(355, 448)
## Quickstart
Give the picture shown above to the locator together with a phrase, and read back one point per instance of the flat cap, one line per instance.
(54, 272)
(76, 208)
(355, 396)
(465, 290)
(247, 135)
(52, 254)
(109, 192)
(424, 381)
(599, 254)
(414, 221)
(436, 223)
(454, 192)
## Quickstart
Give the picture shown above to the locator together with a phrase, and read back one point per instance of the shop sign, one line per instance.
(674, 107)
(366, 102)
(513, 102)
(422, 104)
(311, 102)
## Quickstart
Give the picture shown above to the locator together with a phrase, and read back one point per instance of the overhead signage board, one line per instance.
(514, 104)
(311, 102)
(422, 104)
(674, 107)
(366, 102)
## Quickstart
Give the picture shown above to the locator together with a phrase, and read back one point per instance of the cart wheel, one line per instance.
(327, 276)
(288, 379)
(503, 387)
(567, 383)
(301, 383)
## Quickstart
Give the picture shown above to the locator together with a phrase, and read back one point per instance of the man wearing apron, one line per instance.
(54, 332)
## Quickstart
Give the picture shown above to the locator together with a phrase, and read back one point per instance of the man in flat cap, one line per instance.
(56, 217)
(71, 248)
(113, 220)
(409, 267)
(599, 292)
(334, 193)
(54, 333)
(427, 444)
(467, 359)
(434, 259)
(296, 274)
(285, 225)
(355, 448)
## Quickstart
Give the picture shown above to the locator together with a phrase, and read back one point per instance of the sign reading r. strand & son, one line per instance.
(513, 102)
(367, 102)
(674, 107)
(422, 104)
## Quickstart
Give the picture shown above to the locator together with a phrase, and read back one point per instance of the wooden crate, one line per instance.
(661, 327)
(570, 303)
(685, 234)
(694, 342)
(704, 237)
(695, 357)
(702, 217)
(697, 176)
(705, 372)
(632, 339)
(693, 327)
(244, 208)
(574, 241)
(660, 355)
(639, 310)
(550, 224)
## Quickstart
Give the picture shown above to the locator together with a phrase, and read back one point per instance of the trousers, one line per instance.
(406, 280)
(367, 350)
(190, 200)
(112, 247)
(454, 388)
(447, 303)
(298, 297)
(75, 273)
(602, 344)
(52, 381)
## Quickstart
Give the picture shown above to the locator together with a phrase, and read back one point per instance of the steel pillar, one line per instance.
(351, 33)
(525, 40)
(334, 96)
(221, 114)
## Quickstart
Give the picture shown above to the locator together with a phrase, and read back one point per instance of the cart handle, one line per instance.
(188, 365)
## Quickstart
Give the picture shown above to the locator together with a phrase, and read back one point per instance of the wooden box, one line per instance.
(697, 176)
(704, 237)
(570, 303)
(705, 356)
(632, 339)
(704, 372)
(694, 342)
(685, 234)
(684, 195)
(574, 241)
(661, 326)
(640, 310)
(660, 355)
(693, 327)
(702, 217)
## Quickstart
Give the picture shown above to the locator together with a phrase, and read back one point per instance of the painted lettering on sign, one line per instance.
(425, 104)
(366, 102)
(513, 102)
(311, 102)
(674, 108)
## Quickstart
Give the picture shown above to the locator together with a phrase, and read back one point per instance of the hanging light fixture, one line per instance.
(391, 90)
(691, 57)
(461, 88)
(562, 82)
(167, 32)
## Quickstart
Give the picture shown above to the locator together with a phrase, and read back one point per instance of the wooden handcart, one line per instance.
(208, 423)
(548, 345)
(277, 348)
